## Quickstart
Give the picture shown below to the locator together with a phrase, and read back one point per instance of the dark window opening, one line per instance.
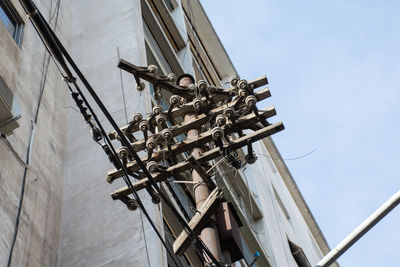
(12, 21)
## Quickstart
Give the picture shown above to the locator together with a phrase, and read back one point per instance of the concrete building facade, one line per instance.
(67, 217)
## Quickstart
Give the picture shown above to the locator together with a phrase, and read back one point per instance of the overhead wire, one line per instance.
(59, 52)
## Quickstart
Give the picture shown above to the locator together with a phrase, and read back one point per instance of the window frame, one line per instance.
(14, 18)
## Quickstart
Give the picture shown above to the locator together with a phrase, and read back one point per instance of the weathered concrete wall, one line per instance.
(97, 231)
(38, 236)
(282, 219)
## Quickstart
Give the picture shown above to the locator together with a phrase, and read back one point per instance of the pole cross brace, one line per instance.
(199, 221)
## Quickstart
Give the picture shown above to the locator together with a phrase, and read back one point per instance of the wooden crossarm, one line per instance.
(188, 107)
(205, 157)
(197, 121)
(241, 123)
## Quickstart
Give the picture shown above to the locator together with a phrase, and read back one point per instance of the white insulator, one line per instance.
(167, 134)
(233, 80)
(157, 110)
(171, 77)
(242, 84)
(250, 158)
(137, 117)
(151, 144)
(251, 101)
(144, 126)
(197, 104)
(152, 68)
(152, 166)
(192, 87)
(161, 119)
(212, 89)
(242, 93)
(220, 120)
(202, 85)
(174, 100)
(140, 87)
(217, 133)
(229, 112)
(123, 152)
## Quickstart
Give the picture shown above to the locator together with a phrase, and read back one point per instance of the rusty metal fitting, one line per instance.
(144, 126)
(132, 204)
(157, 95)
(233, 80)
(97, 135)
(155, 198)
(152, 166)
(137, 117)
(152, 68)
(220, 120)
(140, 86)
(217, 133)
(251, 158)
(251, 101)
(123, 152)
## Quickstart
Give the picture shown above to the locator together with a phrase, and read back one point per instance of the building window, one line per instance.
(10, 111)
(12, 21)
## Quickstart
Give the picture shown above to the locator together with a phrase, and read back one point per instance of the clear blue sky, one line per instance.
(333, 68)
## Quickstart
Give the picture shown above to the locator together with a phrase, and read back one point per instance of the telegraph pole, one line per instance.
(209, 235)
(214, 120)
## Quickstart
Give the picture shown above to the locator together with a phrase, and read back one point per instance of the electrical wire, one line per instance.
(287, 159)
(59, 52)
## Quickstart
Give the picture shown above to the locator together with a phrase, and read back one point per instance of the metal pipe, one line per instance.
(363, 228)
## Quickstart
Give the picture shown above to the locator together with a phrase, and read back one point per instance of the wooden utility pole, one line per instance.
(209, 234)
